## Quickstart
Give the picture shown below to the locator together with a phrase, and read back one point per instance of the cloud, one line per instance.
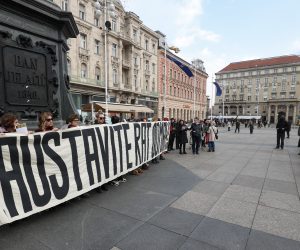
(296, 46)
(188, 26)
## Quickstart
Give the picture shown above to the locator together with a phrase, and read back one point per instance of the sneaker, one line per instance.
(145, 166)
(115, 183)
(122, 179)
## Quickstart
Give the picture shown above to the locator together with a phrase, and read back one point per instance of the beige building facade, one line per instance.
(178, 95)
(266, 87)
(131, 55)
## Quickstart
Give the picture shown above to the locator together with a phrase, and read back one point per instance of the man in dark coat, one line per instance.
(281, 127)
(196, 132)
(289, 125)
(237, 126)
(173, 126)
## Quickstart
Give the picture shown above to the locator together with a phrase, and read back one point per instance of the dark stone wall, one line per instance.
(33, 66)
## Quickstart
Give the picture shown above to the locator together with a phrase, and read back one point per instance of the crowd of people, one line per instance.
(202, 133)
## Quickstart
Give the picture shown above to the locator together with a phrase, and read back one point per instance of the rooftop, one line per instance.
(263, 62)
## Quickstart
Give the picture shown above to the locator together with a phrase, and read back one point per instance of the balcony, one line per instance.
(126, 64)
(86, 81)
(147, 72)
(84, 53)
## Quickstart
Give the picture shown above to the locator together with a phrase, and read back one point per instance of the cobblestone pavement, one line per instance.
(243, 196)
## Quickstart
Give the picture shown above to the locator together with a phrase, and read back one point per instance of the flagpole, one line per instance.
(212, 94)
(223, 100)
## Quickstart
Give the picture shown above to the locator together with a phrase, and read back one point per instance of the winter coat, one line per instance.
(196, 130)
(212, 131)
(182, 134)
(281, 126)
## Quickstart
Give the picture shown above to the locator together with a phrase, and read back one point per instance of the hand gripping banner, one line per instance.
(42, 170)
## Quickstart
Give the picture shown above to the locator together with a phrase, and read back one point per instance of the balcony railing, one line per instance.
(84, 52)
(86, 81)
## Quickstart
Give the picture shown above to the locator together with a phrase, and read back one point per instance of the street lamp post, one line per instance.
(101, 7)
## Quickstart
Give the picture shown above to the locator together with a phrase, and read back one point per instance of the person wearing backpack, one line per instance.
(196, 132)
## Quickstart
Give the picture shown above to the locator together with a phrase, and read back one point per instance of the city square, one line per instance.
(243, 196)
(128, 124)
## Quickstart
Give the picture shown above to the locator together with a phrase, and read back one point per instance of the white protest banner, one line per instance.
(42, 170)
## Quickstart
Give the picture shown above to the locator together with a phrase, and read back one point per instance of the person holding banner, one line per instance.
(46, 122)
(9, 123)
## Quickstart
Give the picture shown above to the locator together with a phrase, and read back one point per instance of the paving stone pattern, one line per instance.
(243, 196)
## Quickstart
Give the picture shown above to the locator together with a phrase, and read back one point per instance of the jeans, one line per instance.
(196, 144)
(211, 146)
(280, 140)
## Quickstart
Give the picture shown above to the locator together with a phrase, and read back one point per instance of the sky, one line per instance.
(223, 31)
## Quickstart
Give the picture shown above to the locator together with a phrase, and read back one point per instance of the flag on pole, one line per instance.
(219, 90)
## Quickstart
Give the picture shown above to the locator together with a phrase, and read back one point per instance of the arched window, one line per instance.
(82, 11)
(64, 5)
(83, 70)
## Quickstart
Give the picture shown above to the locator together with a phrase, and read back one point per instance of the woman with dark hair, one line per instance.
(73, 121)
(46, 122)
(9, 123)
(182, 136)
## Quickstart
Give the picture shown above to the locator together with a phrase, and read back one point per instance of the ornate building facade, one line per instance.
(178, 94)
(266, 87)
(131, 56)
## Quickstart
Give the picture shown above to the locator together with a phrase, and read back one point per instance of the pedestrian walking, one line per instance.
(228, 125)
(288, 129)
(237, 126)
(281, 127)
(251, 127)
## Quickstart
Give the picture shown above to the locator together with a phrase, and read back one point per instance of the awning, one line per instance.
(120, 108)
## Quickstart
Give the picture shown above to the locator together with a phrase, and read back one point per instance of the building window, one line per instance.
(83, 70)
(275, 79)
(97, 47)
(153, 68)
(96, 22)
(64, 5)
(249, 98)
(135, 60)
(147, 65)
(266, 71)
(135, 82)
(153, 85)
(83, 41)
(97, 74)
(154, 48)
(114, 50)
(113, 25)
(241, 97)
(171, 73)
(134, 33)
(249, 90)
(275, 71)
(294, 77)
(115, 77)
(293, 69)
(147, 85)
(82, 11)
(146, 45)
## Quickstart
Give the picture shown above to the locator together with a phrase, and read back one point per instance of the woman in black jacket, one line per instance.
(182, 136)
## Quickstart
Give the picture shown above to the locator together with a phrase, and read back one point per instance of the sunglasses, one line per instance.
(101, 118)
(49, 119)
